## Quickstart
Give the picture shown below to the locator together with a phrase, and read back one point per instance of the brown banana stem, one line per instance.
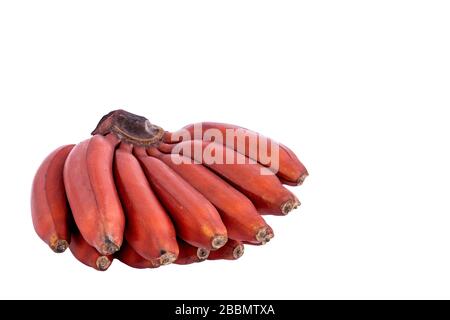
(130, 128)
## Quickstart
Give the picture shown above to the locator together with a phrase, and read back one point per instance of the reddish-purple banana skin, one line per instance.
(130, 257)
(258, 183)
(233, 250)
(196, 220)
(239, 215)
(149, 229)
(49, 208)
(92, 193)
(150, 197)
(291, 171)
(190, 254)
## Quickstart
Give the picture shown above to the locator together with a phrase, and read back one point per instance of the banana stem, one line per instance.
(130, 128)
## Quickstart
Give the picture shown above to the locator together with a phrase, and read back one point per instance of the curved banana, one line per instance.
(290, 170)
(258, 183)
(149, 229)
(92, 194)
(195, 218)
(238, 213)
(49, 208)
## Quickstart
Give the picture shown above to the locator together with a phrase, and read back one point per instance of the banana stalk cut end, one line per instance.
(218, 242)
(167, 258)
(264, 235)
(238, 251)
(290, 205)
(202, 254)
(103, 263)
(59, 246)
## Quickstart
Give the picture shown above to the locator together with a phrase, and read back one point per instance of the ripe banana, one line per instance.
(231, 251)
(190, 254)
(142, 195)
(257, 182)
(87, 254)
(290, 170)
(49, 209)
(92, 194)
(238, 213)
(149, 229)
(131, 258)
(195, 218)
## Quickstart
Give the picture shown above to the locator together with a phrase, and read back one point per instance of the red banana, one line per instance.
(49, 208)
(290, 170)
(238, 213)
(232, 250)
(149, 229)
(131, 258)
(87, 254)
(92, 194)
(257, 182)
(190, 254)
(195, 218)
(149, 197)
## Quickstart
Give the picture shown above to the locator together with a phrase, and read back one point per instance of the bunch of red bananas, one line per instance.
(148, 197)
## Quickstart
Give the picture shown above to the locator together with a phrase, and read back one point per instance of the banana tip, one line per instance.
(264, 235)
(202, 254)
(238, 251)
(103, 263)
(167, 258)
(109, 247)
(289, 205)
(297, 204)
(302, 178)
(218, 242)
(59, 246)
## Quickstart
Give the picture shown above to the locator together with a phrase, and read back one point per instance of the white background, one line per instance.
(359, 89)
